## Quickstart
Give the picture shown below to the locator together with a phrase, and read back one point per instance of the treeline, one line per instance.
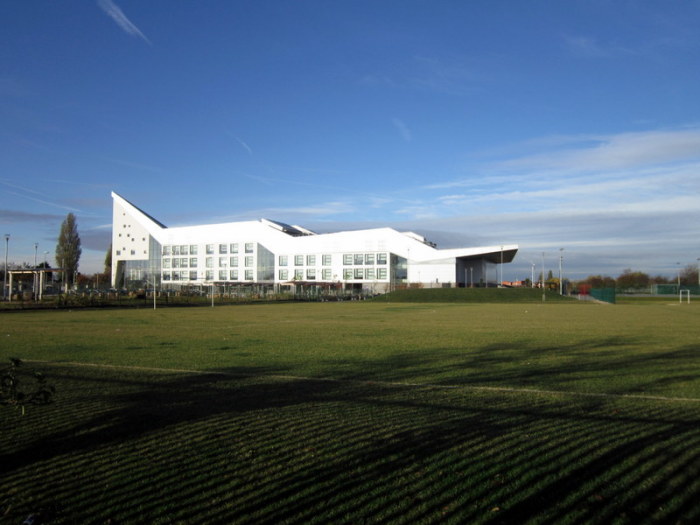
(630, 279)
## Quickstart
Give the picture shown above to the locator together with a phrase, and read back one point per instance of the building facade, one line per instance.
(147, 254)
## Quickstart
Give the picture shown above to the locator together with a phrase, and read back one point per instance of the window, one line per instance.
(298, 260)
(119, 252)
(311, 274)
(193, 249)
(176, 263)
(310, 260)
(369, 273)
(209, 262)
(223, 249)
(283, 260)
(234, 247)
(381, 273)
(249, 247)
(326, 260)
(184, 276)
(166, 276)
(222, 275)
(183, 249)
(166, 249)
(347, 259)
(193, 275)
(209, 275)
(283, 275)
(347, 273)
(249, 275)
(358, 273)
(249, 261)
(298, 275)
(166, 263)
(369, 258)
(183, 262)
(176, 250)
(381, 258)
(223, 261)
(359, 258)
(176, 276)
(233, 260)
(210, 249)
(233, 274)
(326, 275)
(193, 262)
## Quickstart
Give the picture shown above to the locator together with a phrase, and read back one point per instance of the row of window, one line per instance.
(283, 260)
(210, 249)
(223, 275)
(348, 274)
(223, 262)
(359, 259)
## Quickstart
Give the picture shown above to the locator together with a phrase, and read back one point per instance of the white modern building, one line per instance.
(277, 256)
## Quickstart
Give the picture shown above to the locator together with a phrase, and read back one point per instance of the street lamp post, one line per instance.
(4, 282)
(532, 280)
(543, 296)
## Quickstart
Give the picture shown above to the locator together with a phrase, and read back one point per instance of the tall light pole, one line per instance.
(532, 280)
(561, 278)
(679, 275)
(698, 259)
(543, 277)
(500, 268)
(36, 275)
(4, 282)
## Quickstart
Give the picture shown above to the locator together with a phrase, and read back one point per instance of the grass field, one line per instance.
(358, 412)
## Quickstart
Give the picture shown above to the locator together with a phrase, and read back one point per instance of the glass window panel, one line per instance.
(369, 273)
(298, 260)
(283, 275)
(234, 260)
(359, 258)
(166, 263)
(184, 249)
(347, 259)
(209, 262)
(223, 249)
(249, 261)
(234, 274)
(326, 260)
(326, 274)
(311, 274)
(249, 247)
(223, 261)
(222, 275)
(166, 276)
(310, 260)
(193, 262)
(249, 275)
(369, 258)
(381, 258)
(176, 250)
(209, 276)
(283, 260)
(193, 249)
(347, 273)
(381, 273)
(358, 273)
(234, 247)
(193, 275)
(299, 275)
(167, 250)
(176, 263)
(210, 249)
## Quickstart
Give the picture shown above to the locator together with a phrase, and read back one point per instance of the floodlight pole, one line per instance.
(698, 259)
(561, 278)
(543, 297)
(4, 280)
(532, 280)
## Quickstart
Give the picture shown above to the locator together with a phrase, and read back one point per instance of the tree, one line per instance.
(632, 280)
(108, 260)
(68, 248)
(689, 275)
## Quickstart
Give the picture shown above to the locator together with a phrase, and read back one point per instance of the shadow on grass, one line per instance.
(246, 447)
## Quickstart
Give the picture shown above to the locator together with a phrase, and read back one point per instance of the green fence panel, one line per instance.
(603, 294)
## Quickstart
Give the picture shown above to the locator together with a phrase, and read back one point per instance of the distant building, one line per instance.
(274, 255)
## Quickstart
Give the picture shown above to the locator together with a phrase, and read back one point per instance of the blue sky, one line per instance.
(548, 124)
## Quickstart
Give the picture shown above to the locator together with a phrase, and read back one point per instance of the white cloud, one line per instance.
(402, 129)
(116, 14)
